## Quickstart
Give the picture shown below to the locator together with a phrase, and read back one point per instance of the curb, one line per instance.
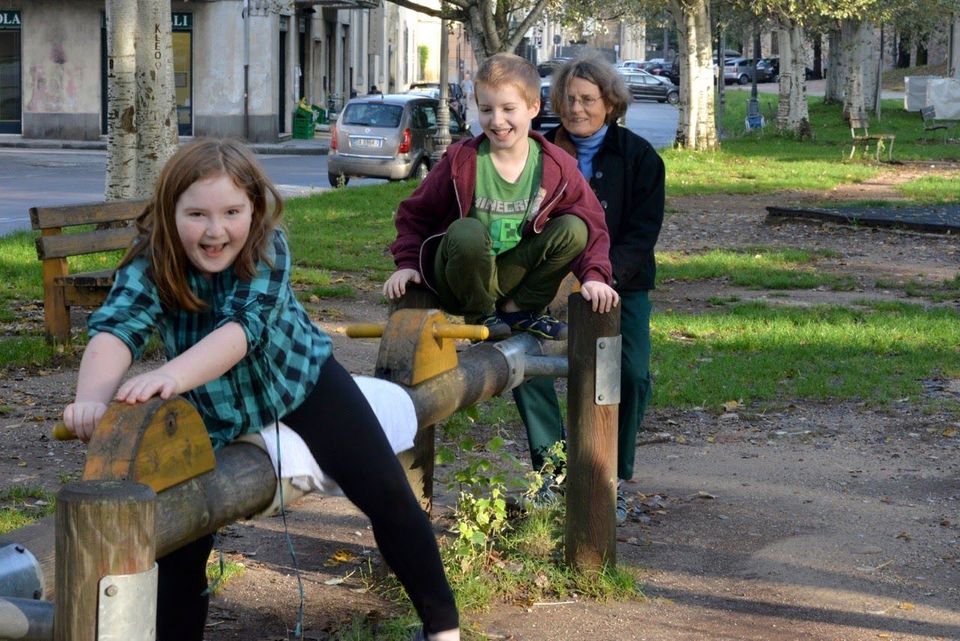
(321, 146)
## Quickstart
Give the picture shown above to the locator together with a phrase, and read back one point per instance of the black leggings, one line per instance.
(346, 439)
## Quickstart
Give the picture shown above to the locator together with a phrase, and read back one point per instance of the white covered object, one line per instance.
(301, 474)
(915, 92)
(943, 94)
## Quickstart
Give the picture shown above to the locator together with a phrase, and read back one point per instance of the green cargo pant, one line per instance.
(540, 409)
(470, 281)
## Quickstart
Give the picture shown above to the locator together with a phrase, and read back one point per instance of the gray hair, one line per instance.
(592, 68)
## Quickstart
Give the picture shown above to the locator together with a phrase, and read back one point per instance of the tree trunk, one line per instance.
(121, 100)
(696, 127)
(157, 135)
(869, 54)
(857, 36)
(836, 68)
(792, 113)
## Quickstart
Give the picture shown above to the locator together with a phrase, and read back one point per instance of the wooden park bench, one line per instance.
(931, 123)
(110, 228)
(860, 133)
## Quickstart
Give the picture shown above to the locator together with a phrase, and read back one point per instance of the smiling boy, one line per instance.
(503, 217)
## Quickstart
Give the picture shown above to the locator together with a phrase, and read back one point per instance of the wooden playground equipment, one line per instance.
(152, 483)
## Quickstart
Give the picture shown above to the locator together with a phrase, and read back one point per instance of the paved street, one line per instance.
(33, 177)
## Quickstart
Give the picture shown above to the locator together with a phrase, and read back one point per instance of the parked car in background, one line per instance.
(546, 69)
(774, 64)
(738, 70)
(546, 115)
(643, 85)
(768, 70)
(391, 136)
(631, 65)
(455, 95)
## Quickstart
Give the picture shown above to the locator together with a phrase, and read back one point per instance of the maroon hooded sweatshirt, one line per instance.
(446, 195)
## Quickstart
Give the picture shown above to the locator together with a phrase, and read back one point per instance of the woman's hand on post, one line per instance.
(396, 285)
(81, 417)
(602, 297)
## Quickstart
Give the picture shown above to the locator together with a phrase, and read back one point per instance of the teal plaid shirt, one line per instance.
(285, 350)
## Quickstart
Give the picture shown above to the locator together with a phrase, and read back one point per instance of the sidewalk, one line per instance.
(317, 146)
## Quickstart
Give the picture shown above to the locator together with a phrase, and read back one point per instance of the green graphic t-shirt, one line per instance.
(504, 206)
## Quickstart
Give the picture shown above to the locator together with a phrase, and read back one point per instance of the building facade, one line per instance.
(240, 66)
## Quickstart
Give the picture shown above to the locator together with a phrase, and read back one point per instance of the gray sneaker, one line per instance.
(622, 510)
(548, 494)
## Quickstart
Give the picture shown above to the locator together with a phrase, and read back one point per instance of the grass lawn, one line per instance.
(347, 231)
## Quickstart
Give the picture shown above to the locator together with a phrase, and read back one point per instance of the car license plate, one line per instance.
(367, 143)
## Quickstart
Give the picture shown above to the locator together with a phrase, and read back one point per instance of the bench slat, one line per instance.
(94, 213)
(102, 278)
(63, 245)
(85, 296)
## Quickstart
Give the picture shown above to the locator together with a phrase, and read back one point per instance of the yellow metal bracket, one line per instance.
(416, 344)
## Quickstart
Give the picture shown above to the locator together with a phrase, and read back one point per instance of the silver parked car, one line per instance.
(390, 137)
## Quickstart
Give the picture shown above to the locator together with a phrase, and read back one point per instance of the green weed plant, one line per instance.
(21, 505)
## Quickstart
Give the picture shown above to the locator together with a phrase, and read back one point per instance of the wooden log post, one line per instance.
(103, 528)
(593, 397)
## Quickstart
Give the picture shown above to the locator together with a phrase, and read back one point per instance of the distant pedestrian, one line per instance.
(467, 85)
(374, 91)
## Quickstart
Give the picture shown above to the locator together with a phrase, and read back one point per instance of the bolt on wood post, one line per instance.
(591, 492)
(103, 528)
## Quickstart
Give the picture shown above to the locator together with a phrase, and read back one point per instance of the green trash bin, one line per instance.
(319, 115)
(302, 125)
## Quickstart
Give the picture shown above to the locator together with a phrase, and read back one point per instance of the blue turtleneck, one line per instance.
(587, 147)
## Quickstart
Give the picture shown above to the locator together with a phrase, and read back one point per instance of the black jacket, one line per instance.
(628, 179)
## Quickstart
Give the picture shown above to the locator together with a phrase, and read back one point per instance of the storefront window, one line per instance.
(10, 90)
(183, 70)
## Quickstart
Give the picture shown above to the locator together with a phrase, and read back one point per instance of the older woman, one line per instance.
(627, 176)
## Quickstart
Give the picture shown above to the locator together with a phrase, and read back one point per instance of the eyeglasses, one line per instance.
(585, 101)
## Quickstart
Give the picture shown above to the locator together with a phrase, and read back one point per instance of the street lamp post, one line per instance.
(443, 118)
(754, 117)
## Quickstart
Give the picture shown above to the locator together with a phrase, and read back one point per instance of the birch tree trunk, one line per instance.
(792, 113)
(869, 56)
(121, 100)
(696, 126)
(836, 68)
(157, 135)
(853, 94)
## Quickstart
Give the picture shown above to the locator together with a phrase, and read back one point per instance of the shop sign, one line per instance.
(9, 19)
(182, 21)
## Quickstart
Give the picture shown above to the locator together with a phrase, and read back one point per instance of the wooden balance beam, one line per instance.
(163, 445)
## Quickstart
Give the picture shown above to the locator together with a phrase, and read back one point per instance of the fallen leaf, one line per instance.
(905, 605)
(950, 432)
(729, 406)
(905, 536)
(340, 556)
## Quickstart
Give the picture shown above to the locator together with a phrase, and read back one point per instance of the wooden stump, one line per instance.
(102, 528)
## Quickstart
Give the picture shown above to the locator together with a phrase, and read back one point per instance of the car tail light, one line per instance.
(333, 138)
(404, 142)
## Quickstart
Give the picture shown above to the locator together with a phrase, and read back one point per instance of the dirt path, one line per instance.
(837, 521)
